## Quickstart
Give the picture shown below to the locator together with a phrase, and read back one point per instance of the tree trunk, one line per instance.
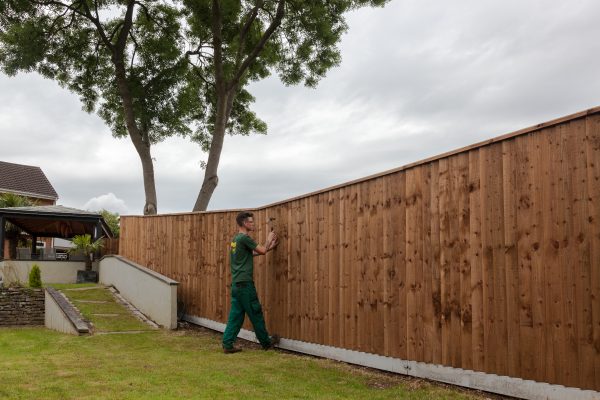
(211, 180)
(141, 146)
(150, 208)
(88, 262)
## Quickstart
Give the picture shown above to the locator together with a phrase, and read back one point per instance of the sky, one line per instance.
(417, 78)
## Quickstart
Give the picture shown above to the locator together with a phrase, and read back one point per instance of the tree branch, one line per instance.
(99, 27)
(76, 8)
(250, 17)
(127, 24)
(56, 20)
(59, 4)
(218, 46)
(198, 51)
(260, 45)
(135, 47)
(200, 74)
(115, 30)
(148, 14)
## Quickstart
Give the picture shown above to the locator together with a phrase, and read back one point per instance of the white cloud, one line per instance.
(108, 202)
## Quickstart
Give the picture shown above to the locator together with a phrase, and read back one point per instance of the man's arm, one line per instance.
(272, 242)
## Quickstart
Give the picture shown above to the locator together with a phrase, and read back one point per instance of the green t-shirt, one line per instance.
(242, 263)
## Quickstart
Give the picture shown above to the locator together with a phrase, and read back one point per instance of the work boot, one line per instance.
(274, 342)
(231, 350)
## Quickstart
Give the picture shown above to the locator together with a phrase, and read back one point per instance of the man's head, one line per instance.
(245, 220)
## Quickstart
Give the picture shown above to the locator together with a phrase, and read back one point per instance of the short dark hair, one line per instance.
(242, 217)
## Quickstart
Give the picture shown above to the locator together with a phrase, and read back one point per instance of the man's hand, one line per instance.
(272, 242)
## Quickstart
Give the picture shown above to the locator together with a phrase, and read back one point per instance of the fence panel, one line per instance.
(487, 258)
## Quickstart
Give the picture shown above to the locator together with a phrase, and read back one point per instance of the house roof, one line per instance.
(50, 210)
(25, 180)
(56, 221)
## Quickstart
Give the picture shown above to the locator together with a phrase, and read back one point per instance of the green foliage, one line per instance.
(301, 49)
(35, 277)
(113, 221)
(77, 46)
(84, 244)
(14, 200)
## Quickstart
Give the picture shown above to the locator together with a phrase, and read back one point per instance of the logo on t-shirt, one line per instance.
(233, 245)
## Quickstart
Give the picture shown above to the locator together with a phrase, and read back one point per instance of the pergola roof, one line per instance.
(56, 221)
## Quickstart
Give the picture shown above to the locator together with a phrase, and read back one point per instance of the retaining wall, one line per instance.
(21, 306)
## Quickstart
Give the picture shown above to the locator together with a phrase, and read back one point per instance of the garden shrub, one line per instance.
(35, 277)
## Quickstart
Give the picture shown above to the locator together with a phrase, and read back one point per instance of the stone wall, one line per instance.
(21, 306)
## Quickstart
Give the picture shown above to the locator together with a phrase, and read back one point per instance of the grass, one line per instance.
(60, 286)
(189, 364)
(122, 321)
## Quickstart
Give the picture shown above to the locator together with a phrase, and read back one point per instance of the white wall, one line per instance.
(153, 294)
(56, 319)
(52, 271)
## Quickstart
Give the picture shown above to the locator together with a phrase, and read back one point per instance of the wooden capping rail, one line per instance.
(520, 132)
(69, 311)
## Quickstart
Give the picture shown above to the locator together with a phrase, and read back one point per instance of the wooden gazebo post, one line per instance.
(1, 238)
(33, 247)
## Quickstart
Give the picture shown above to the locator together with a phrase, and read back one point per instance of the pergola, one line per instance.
(52, 221)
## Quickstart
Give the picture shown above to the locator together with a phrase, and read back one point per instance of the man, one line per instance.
(244, 299)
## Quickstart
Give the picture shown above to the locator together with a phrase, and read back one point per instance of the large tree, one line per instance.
(124, 58)
(239, 41)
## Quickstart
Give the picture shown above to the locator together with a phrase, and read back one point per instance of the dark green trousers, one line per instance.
(244, 300)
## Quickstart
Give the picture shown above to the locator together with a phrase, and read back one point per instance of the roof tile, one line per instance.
(25, 179)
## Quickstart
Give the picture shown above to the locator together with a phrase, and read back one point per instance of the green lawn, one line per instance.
(37, 363)
(99, 306)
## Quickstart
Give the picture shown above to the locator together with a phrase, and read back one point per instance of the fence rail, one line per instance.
(485, 259)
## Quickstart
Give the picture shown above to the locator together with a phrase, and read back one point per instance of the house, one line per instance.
(30, 182)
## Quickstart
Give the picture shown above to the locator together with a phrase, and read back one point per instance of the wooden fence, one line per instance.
(486, 258)
(111, 246)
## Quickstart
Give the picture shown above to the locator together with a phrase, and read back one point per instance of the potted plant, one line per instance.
(84, 244)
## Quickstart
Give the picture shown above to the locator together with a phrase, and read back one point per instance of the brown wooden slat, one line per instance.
(412, 260)
(445, 187)
(569, 186)
(455, 265)
(583, 304)
(593, 227)
(435, 251)
(428, 311)
(511, 267)
(464, 262)
(551, 246)
(476, 257)
(526, 204)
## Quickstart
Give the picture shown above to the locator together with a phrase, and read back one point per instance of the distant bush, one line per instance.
(35, 277)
